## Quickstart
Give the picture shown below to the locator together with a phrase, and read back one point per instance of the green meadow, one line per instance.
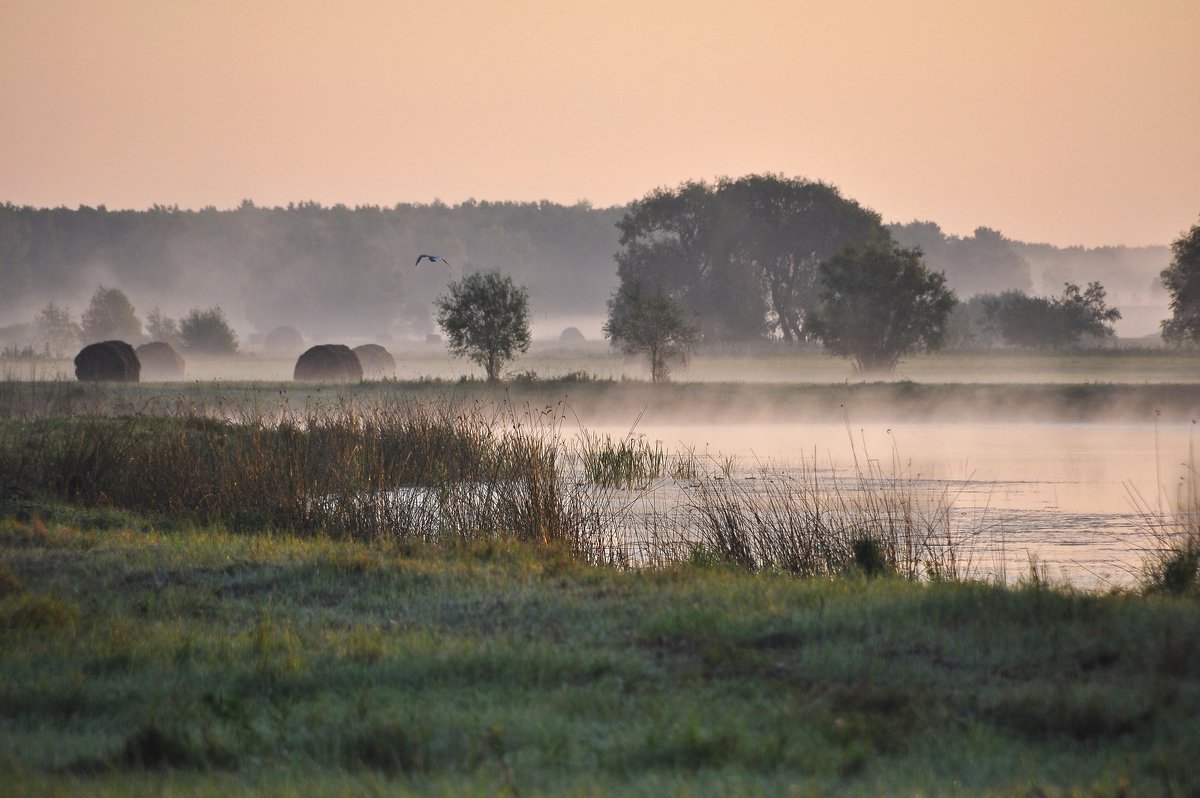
(199, 662)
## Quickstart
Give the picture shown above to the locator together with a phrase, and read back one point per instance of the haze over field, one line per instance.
(1071, 123)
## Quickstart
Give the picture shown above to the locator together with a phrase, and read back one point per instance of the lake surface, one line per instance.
(1073, 496)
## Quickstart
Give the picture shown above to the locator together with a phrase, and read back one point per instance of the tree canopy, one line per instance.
(742, 256)
(110, 316)
(485, 317)
(985, 262)
(647, 322)
(1182, 280)
(206, 332)
(879, 303)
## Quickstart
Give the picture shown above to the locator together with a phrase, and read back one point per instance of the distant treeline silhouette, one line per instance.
(324, 270)
(345, 272)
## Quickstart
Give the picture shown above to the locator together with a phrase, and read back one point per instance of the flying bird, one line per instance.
(432, 259)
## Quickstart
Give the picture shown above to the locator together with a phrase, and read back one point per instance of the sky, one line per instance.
(1072, 123)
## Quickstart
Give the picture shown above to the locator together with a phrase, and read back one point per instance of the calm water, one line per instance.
(1066, 494)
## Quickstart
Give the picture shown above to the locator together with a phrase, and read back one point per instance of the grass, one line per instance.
(197, 661)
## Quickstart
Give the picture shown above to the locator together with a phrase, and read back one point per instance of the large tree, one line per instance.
(485, 317)
(741, 256)
(1182, 280)
(781, 230)
(110, 315)
(879, 303)
(647, 322)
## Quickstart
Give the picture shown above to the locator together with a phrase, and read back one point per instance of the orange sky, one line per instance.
(1067, 122)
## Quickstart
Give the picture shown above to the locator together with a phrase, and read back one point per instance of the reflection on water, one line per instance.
(1061, 493)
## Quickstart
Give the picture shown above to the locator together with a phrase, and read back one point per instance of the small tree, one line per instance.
(58, 330)
(1051, 322)
(650, 323)
(163, 328)
(879, 303)
(486, 319)
(206, 332)
(1182, 280)
(110, 315)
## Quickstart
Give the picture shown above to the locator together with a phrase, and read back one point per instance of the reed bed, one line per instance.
(1171, 527)
(448, 473)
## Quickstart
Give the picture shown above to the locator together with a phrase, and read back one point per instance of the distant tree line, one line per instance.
(340, 271)
(761, 257)
(326, 271)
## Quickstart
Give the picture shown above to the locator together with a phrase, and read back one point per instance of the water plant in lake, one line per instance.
(630, 462)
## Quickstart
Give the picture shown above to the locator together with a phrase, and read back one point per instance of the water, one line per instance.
(1071, 497)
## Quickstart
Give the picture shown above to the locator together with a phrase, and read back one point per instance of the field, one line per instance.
(235, 587)
(553, 360)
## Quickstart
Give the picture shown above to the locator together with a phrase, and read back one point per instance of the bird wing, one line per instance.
(419, 259)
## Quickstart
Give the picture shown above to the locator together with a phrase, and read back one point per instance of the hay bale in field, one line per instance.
(113, 361)
(377, 363)
(283, 341)
(571, 335)
(328, 363)
(161, 362)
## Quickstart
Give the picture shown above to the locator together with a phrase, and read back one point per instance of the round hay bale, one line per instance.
(161, 362)
(283, 341)
(377, 363)
(571, 334)
(328, 363)
(113, 361)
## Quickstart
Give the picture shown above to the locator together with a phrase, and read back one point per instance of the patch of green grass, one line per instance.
(202, 662)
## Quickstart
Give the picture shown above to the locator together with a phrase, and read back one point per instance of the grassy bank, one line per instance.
(752, 364)
(137, 661)
(593, 401)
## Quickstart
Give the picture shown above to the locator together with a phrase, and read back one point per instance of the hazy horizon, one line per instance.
(1066, 123)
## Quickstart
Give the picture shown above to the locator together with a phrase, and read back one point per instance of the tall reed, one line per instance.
(449, 472)
(1171, 559)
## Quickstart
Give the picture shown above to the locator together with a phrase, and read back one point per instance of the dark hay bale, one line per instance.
(571, 334)
(161, 362)
(283, 341)
(112, 361)
(328, 363)
(377, 363)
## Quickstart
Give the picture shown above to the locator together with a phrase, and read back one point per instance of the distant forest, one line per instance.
(339, 273)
